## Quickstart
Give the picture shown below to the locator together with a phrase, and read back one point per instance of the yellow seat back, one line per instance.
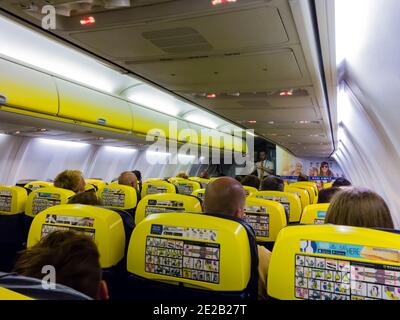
(199, 193)
(203, 182)
(329, 262)
(291, 202)
(314, 213)
(249, 190)
(157, 186)
(34, 185)
(185, 186)
(327, 185)
(166, 202)
(97, 183)
(301, 193)
(41, 199)
(311, 188)
(193, 250)
(266, 217)
(118, 196)
(104, 226)
(7, 294)
(12, 200)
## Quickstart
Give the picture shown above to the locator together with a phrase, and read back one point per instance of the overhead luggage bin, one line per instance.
(25, 88)
(83, 104)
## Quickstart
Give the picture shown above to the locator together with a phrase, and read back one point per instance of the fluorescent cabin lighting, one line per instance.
(250, 133)
(57, 58)
(60, 143)
(202, 120)
(120, 149)
(156, 153)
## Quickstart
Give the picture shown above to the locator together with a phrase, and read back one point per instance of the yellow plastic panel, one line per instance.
(199, 193)
(166, 202)
(334, 262)
(202, 181)
(185, 186)
(104, 226)
(148, 119)
(290, 201)
(302, 193)
(312, 192)
(239, 145)
(34, 185)
(314, 213)
(6, 294)
(249, 190)
(12, 200)
(87, 105)
(157, 186)
(41, 199)
(98, 183)
(210, 244)
(327, 185)
(118, 196)
(28, 89)
(266, 217)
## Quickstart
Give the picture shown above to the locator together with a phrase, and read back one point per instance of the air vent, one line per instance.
(178, 40)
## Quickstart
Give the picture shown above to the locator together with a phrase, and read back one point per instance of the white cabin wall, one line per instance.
(32, 158)
(369, 150)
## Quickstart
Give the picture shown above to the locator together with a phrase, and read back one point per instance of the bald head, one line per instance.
(225, 196)
(128, 178)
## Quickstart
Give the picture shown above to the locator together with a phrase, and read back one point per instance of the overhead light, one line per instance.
(41, 130)
(61, 143)
(286, 93)
(88, 21)
(304, 122)
(252, 121)
(271, 122)
(17, 132)
(211, 95)
(119, 149)
(157, 153)
(201, 119)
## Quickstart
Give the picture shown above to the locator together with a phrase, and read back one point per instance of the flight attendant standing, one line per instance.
(264, 166)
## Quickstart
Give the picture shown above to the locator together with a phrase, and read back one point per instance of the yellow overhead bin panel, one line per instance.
(90, 106)
(145, 119)
(26, 88)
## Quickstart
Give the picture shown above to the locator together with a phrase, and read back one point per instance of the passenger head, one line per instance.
(359, 207)
(204, 174)
(128, 178)
(262, 155)
(326, 195)
(70, 179)
(272, 183)
(251, 181)
(75, 258)
(302, 177)
(88, 197)
(225, 196)
(341, 182)
(182, 175)
(138, 175)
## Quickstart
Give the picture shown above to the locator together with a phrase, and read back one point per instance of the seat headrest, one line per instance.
(249, 190)
(12, 200)
(185, 186)
(34, 185)
(166, 202)
(104, 226)
(301, 193)
(314, 214)
(199, 193)
(290, 201)
(6, 294)
(203, 182)
(41, 199)
(311, 189)
(97, 183)
(119, 196)
(266, 217)
(157, 186)
(329, 262)
(194, 250)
